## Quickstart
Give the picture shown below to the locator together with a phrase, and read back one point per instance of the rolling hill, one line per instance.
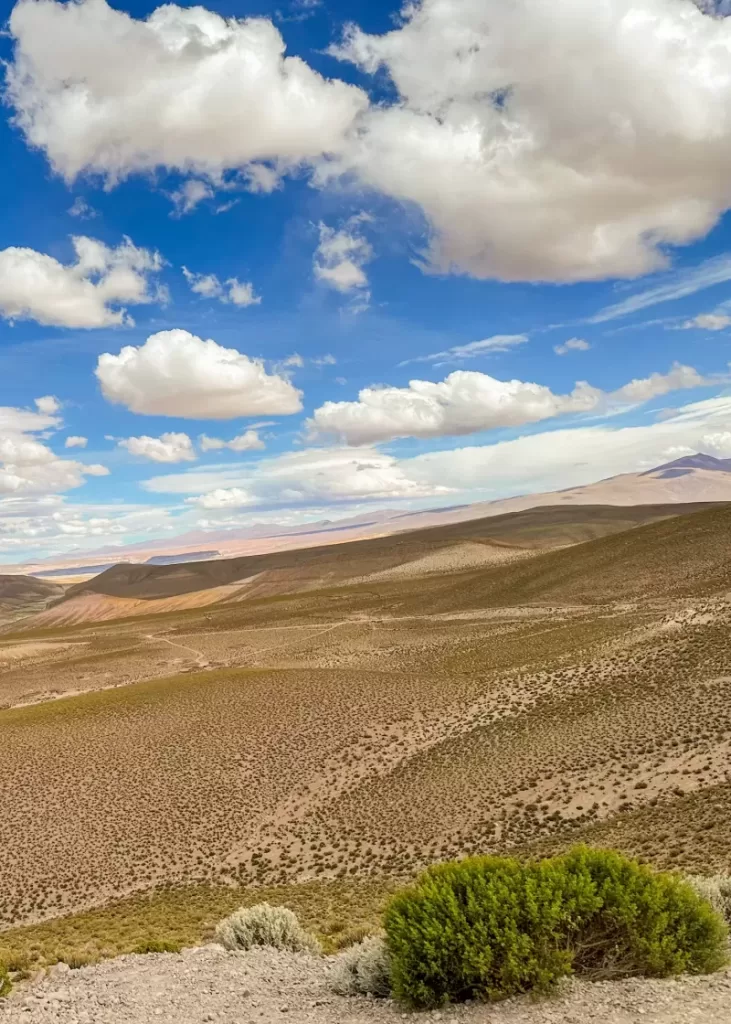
(22, 595)
(387, 706)
(131, 590)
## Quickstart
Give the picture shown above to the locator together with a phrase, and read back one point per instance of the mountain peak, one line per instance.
(690, 462)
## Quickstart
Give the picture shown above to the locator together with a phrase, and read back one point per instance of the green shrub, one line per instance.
(264, 925)
(363, 969)
(492, 927)
(157, 946)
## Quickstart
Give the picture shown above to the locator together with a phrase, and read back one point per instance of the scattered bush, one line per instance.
(5, 983)
(492, 927)
(717, 890)
(264, 925)
(352, 936)
(75, 961)
(158, 946)
(363, 969)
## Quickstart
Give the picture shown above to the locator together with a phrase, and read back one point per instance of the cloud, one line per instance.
(48, 524)
(675, 286)
(708, 322)
(222, 498)
(549, 460)
(240, 293)
(297, 478)
(572, 457)
(340, 257)
(34, 286)
(466, 402)
(76, 441)
(190, 193)
(473, 349)
(101, 92)
(176, 373)
(48, 404)
(27, 465)
(166, 448)
(572, 345)
(553, 141)
(81, 209)
(247, 442)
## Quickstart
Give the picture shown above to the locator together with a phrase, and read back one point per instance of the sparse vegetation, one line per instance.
(264, 925)
(363, 969)
(5, 983)
(349, 735)
(493, 927)
(717, 890)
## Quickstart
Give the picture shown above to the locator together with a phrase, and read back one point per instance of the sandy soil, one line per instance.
(12, 652)
(461, 556)
(102, 608)
(208, 984)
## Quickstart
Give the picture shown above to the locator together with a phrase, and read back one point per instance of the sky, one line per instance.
(284, 262)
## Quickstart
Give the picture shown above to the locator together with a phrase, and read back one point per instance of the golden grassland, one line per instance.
(315, 747)
(177, 917)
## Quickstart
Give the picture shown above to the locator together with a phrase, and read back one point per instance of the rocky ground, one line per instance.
(265, 986)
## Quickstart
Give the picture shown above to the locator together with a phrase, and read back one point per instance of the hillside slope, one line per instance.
(532, 530)
(687, 555)
(24, 594)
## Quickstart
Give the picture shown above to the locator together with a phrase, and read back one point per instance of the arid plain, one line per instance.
(344, 715)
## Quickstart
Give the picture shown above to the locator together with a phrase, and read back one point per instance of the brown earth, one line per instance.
(441, 550)
(362, 730)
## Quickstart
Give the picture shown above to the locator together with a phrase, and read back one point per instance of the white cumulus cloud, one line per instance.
(466, 402)
(92, 292)
(249, 441)
(298, 478)
(170, 447)
(572, 345)
(240, 293)
(100, 91)
(76, 441)
(48, 404)
(552, 140)
(340, 257)
(176, 373)
(28, 465)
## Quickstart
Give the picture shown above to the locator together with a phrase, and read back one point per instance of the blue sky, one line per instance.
(404, 244)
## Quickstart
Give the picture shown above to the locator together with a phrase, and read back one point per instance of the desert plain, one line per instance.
(330, 720)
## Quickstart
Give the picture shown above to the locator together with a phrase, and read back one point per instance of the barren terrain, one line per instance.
(361, 729)
(209, 984)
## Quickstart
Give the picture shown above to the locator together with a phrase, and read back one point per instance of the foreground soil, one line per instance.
(209, 984)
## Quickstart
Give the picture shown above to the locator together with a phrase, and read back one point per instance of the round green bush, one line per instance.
(491, 927)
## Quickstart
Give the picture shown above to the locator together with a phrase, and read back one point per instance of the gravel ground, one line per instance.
(266, 986)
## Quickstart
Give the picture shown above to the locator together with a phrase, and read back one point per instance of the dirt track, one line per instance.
(209, 984)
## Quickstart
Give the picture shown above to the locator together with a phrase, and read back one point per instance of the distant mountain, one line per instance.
(691, 478)
(689, 463)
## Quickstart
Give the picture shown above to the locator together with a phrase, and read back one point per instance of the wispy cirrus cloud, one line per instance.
(473, 349)
(674, 286)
